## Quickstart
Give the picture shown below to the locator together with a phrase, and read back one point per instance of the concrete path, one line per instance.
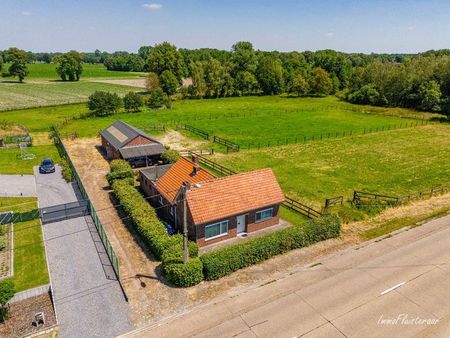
(88, 303)
(17, 186)
(395, 287)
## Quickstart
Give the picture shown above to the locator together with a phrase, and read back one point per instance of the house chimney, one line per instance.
(196, 167)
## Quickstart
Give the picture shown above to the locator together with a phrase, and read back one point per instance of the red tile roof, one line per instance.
(232, 195)
(169, 184)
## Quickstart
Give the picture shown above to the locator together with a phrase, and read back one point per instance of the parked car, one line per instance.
(170, 230)
(47, 166)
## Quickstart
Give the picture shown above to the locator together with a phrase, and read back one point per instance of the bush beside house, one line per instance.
(120, 169)
(224, 261)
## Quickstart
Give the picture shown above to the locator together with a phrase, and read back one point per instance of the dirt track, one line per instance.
(150, 297)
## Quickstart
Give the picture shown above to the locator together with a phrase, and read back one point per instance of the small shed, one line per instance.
(121, 140)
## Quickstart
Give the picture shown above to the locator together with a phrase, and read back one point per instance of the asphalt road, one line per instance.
(396, 287)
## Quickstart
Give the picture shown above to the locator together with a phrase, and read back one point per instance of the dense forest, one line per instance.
(420, 81)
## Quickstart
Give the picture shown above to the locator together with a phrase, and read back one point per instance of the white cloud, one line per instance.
(27, 13)
(329, 34)
(152, 6)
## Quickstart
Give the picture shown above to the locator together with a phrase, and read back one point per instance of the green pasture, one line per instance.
(253, 119)
(392, 162)
(48, 71)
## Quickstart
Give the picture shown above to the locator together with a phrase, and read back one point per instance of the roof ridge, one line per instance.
(238, 174)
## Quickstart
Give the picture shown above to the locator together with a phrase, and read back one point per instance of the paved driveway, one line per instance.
(88, 304)
(17, 186)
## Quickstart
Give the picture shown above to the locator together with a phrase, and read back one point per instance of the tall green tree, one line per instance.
(299, 86)
(169, 82)
(320, 82)
(198, 87)
(246, 83)
(132, 102)
(70, 66)
(214, 77)
(244, 57)
(152, 82)
(18, 60)
(1, 64)
(430, 96)
(103, 103)
(270, 75)
(165, 56)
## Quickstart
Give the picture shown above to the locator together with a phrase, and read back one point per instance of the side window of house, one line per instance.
(216, 229)
(262, 215)
(171, 210)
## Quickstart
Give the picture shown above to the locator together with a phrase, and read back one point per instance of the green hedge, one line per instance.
(167, 248)
(120, 169)
(224, 261)
(184, 274)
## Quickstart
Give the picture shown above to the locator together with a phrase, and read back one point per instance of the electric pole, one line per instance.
(185, 229)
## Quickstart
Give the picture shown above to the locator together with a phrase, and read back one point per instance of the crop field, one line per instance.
(48, 71)
(35, 94)
(252, 119)
(392, 162)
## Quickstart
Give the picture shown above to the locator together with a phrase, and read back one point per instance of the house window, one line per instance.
(262, 215)
(160, 200)
(216, 230)
(171, 210)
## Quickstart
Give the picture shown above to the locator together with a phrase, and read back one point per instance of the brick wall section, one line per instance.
(111, 153)
(137, 141)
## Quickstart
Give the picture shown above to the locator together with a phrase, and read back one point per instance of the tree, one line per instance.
(169, 82)
(320, 82)
(47, 58)
(132, 102)
(125, 63)
(103, 103)
(246, 83)
(198, 87)
(18, 59)
(7, 291)
(1, 64)
(159, 99)
(214, 77)
(170, 156)
(270, 75)
(367, 94)
(152, 82)
(299, 85)
(70, 66)
(430, 96)
(165, 56)
(244, 57)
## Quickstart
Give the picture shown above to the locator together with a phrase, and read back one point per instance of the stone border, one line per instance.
(37, 291)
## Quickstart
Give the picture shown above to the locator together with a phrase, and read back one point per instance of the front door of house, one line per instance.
(241, 224)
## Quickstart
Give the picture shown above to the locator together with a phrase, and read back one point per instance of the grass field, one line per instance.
(265, 117)
(10, 164)
(30, 94)
(17, 204)
(391, 162)
(30, 264)
(48, 71)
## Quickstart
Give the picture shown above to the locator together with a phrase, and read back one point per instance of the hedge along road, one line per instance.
(353, 293)
(87, 303)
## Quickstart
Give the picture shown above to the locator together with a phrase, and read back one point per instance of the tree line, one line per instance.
(419, 81)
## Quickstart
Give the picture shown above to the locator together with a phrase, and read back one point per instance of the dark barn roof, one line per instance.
(154, 172)
(142, 150)
(120, 133)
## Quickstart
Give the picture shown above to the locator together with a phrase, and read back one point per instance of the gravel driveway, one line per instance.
(88, 304)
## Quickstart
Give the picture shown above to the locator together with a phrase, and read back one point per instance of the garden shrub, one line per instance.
(224, 261)
(184, 274)
(120, 169)
(7, 291)
(167, 248)
(2, 243)
(170, 156)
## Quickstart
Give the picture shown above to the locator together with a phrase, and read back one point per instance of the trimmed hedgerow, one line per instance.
(224, 261)
(184, 274)
(167, 248)
(120, 169)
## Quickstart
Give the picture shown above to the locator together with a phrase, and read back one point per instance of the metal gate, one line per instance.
(6, 217)
(64, 211)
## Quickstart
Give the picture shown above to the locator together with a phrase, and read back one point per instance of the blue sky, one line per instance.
(345, 25)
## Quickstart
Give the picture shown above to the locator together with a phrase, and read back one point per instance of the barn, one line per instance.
(123, 141)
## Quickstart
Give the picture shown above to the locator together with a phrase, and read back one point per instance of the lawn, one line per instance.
(391, 162)
(48, 71)
(267, 116)
(17, 204)
(37, 94)
(10, 164)
(30, 264)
